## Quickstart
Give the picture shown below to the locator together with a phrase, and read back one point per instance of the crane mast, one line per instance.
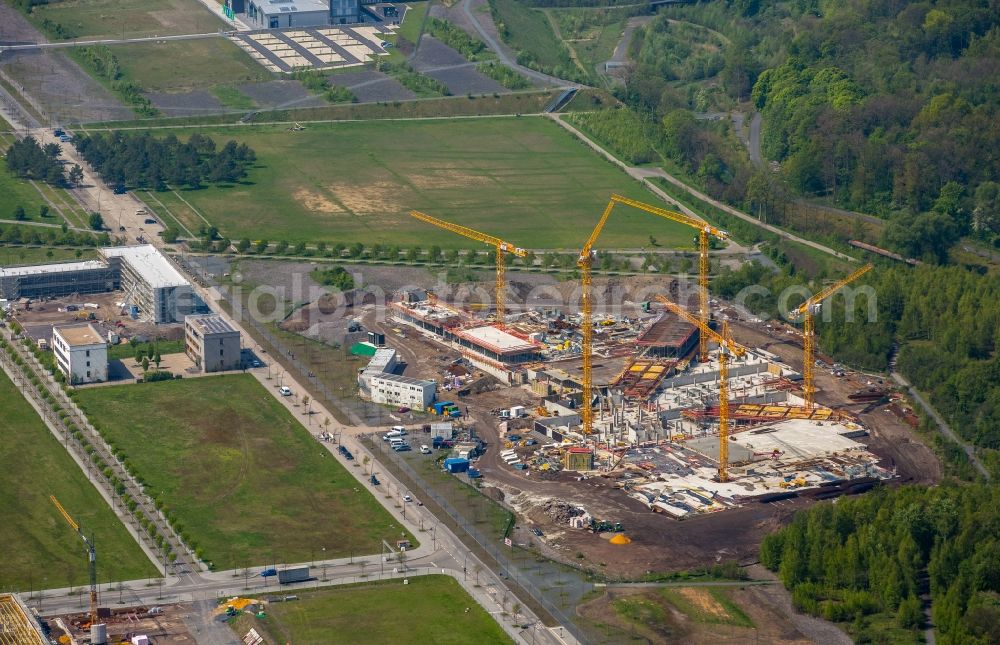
(727, 346)
(502, 248)
(91, 556)
(586, 262)
(704, 230)
(809, 331)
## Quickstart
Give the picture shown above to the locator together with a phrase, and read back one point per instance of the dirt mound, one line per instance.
(561, 511)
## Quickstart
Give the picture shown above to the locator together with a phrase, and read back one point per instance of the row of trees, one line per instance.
(869, 559)
(144, 161)
(27, 159)
(35, 235)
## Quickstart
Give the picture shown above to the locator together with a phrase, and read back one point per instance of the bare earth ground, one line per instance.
(193, 103)
(771, 625)
(370, 86)
(281, 94)
(64, 90)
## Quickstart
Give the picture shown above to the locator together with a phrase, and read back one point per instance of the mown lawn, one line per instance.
(524, 179)
(40, 550)
(181, 65)
(248, 483)
(42, 255)
(428, 609)
(133, 18)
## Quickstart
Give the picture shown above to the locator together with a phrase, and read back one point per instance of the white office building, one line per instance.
(81, 353)
(154, 289)
(391, 389)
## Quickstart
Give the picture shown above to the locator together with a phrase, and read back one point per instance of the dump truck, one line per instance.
(296, 574)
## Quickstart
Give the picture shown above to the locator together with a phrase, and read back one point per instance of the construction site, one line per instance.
(593, 418)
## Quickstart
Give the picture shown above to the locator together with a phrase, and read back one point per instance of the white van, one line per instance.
(400, 429)
(392, 434)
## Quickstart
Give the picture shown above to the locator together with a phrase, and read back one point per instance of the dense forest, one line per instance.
(144, 161)
(867, 561)
(888, 108)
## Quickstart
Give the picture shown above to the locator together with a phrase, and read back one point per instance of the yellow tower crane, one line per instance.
(586, 262)
(91, 554)
(704, 230)
(501, 247)
(808, 332)
(727, 346)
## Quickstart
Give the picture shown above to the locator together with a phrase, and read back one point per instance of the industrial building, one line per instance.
(502, 353)
(154, 290)
(391, 389)
(211, 343)
(668, 337)
(81, 353)
(56, 280)
(278, 14)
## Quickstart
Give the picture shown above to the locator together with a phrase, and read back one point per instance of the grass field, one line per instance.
(16, 192)
(177, 66)
(133, 18)
(591, 33)
(247, 482)
(526, 180)
(39, 549)
(529, 31)
(429, 609)
(37, 255)
(163, 347)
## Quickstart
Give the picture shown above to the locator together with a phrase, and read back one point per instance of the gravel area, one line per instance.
(434, 53)
(372, 86)
(58, 84)
(466, 80)
(444, 64)
(281, 94)
(185, 103)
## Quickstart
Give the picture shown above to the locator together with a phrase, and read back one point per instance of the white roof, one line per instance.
(148, 262)
(496, 338)
(51, 268)
(292, 6)
(381, 359)
(405, 380)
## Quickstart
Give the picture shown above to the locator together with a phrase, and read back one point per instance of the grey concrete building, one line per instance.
(57, 280)
(211, 343)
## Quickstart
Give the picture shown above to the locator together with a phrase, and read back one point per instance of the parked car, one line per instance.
(425, 450)
(284, 390)
(149, 220)
(403, 410)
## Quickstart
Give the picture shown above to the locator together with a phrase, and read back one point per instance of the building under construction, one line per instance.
(154, 290)
(18, 625)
